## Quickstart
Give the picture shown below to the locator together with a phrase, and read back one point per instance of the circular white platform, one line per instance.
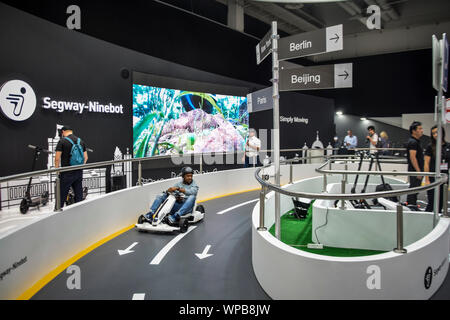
(285, 272)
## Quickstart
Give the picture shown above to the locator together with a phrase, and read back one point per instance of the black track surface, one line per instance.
(228, 274)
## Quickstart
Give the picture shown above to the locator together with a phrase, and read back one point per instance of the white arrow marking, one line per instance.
(162, 253)
(237, 206)
(127, 250)
(138, 296)
(205, 253)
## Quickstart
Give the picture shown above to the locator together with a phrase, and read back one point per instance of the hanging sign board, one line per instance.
(317, 77)
(260, 100)
(444, 68)
(436, 53)
(264, 47)
(311, 43)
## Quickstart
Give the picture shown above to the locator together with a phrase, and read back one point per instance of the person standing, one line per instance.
(385, 143)
(414, 154)
(252, 148)
(372, 138)
(350, 142)
(430, 166)
(70, 150)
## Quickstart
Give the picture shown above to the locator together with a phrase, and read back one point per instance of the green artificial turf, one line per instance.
(299, 232)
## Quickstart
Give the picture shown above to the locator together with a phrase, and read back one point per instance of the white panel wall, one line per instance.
(52, 241)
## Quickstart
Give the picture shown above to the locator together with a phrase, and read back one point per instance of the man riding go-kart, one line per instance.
(174, 208)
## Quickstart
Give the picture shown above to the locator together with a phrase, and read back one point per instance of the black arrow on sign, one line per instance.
(335, 38)
(344, 75)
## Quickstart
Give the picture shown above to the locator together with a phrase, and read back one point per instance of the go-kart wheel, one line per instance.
(200, 208)
(24, 206)
(184, 225)
(141, 219)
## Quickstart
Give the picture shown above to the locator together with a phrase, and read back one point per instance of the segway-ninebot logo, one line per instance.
(17, 100)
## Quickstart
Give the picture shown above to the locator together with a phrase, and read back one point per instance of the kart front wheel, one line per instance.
(141, 219)
(184, 225)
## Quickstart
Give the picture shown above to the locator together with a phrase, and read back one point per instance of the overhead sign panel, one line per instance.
(317, 77)
(264, 47)
(445, 53)
(260, 100)
(310, 43)
(436, 54)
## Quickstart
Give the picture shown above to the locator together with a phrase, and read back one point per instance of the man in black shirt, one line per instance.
(430, 165)
(74, 178)
(414, 154)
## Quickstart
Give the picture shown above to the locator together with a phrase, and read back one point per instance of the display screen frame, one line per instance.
(219, 93)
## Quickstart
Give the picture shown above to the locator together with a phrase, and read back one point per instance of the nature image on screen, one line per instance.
(168, 121)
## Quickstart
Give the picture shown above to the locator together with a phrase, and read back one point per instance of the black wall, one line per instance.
(161, 31)
(398, 136)
(70, 66)
(386, 85)
(318, 110)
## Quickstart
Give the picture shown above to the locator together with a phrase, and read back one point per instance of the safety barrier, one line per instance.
(265, 185)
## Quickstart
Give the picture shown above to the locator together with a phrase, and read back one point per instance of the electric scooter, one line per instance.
(71, 195)
(28, 202)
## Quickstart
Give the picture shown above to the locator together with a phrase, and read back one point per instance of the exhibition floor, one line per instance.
(158, 268)
(11, 220)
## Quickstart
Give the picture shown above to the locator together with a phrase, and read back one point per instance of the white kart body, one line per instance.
(163, 211)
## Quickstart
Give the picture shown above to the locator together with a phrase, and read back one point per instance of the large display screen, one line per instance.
(170, 121)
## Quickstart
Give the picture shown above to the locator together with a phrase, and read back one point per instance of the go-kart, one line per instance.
(160, 217)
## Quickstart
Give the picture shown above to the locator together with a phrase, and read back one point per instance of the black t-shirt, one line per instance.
(414, 144)
(445, 155)
(65, 147)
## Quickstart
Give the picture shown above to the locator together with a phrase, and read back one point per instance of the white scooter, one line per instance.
(159, 223)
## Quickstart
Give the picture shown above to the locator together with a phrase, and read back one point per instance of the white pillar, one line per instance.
(235, 15)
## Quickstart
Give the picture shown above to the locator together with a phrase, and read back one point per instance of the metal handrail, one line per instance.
(143, 159)
(139, 161)
(440, 179)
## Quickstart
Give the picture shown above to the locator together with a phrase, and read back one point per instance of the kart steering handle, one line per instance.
(177, 194)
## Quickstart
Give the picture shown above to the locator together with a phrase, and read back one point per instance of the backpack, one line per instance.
(379, 143)
(76, 153)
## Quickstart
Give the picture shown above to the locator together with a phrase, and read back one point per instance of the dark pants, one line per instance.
(72, 179)
(249, 161)
(430, 194)
(351, 151)
(413, 182)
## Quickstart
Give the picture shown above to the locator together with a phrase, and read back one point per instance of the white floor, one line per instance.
(12, 220)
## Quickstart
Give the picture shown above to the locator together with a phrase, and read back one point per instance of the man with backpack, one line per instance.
(70, 151)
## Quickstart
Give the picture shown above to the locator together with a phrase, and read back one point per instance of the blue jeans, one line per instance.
(179, 208)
